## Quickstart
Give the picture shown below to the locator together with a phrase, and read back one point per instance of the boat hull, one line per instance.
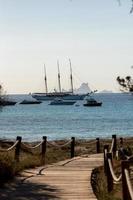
(25, 102)
(92, 105)
(46, 97)
(62, 103)
(7, 103)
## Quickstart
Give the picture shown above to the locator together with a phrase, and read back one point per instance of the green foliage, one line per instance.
(131, 10)
(126, 84)
(131, 7)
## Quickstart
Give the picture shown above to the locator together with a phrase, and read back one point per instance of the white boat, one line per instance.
(64, 95)
(92, 102)
(58, 101)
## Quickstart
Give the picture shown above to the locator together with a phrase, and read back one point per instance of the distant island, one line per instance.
(84, 88)
(106, 91)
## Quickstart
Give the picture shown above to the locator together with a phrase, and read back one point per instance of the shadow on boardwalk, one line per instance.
(70, 179)
(28, 191)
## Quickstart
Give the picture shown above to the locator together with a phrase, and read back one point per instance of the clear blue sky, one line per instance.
(97, 35)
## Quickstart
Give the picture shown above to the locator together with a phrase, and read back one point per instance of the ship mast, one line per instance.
(59, 83)
(45, 78)
(71, 76)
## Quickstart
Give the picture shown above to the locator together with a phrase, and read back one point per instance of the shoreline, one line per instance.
(81, 146)
(67, 139)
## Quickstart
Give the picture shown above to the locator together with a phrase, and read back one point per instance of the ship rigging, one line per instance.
(64, 95)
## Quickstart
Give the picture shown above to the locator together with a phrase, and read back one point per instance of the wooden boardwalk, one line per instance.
(66, 180)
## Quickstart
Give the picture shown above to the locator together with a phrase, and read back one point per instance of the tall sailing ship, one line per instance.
(60, 94)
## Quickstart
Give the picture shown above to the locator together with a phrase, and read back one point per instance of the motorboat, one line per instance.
(30, 102)
(58, 101)
(7, 103)
(92, 102)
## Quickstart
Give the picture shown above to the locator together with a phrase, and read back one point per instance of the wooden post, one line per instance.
(43, 153)
(17, 148)
(125, 192)
(106, 147)
(97, 145)
(72, 147)
(109, 176)
(115, 145)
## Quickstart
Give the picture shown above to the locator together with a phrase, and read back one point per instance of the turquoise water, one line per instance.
(62, 122)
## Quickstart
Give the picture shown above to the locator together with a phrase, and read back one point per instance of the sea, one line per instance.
(32, 122)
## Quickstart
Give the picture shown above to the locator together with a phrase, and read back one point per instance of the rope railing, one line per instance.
(19, 146)
(123, 154)
(109, 171)
(54, 144)
(124, 177)
(126, 180)
(106, 152)
(129, 157)
(71, 141)
(108, 166)
(10, 148)
(115, 178)
(112, 146)
(129, 184)
(32, 147)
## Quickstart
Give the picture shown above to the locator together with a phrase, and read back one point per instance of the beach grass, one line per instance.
(100, 186)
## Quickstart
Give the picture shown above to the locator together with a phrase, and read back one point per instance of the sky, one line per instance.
(96, 35)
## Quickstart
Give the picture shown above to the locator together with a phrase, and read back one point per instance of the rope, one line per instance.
(129, 183)
(112, 146)
(32, 147)
(92, 142)
(129, 157)
(112, 172)
(10, 148)
(105, 152)
(59, 146)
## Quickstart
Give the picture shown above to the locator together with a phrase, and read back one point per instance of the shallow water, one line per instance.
(62, 122)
